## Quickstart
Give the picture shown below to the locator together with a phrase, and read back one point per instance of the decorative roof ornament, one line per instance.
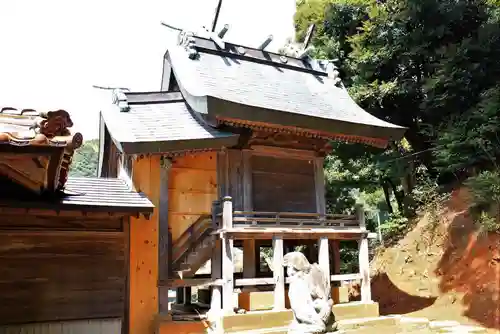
(332, 72)
(265, 44)
(120, 99)
(295, 50)
(223, 31)
(187, 41)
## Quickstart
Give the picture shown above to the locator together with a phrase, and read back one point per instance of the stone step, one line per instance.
(359, 323)
(275, 330)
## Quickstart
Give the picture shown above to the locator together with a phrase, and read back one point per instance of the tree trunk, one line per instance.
(385, 186)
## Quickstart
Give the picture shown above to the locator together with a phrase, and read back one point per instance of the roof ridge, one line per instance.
(194, 44)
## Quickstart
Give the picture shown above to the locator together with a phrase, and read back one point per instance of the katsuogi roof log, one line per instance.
(249, 87)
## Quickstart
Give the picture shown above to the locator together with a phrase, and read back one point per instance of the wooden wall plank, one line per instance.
(283, 184)
(191, 203)
(200, 161)
(48, 275)
(94, 326)
(29, 222)
(193, 180)
(143, 270)
(192, 190)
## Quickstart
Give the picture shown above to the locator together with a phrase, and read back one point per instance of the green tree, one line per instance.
(86, 159)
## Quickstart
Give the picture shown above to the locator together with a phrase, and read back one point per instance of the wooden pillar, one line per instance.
(164, 237)
(179, 295)
(323, 247)
(143, 259)
(187, 295)
(364, 261)
(227, 258)
(249, 259)
(335, 266)
(278, 274)
(216, 269)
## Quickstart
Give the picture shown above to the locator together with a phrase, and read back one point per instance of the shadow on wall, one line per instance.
(470, 265)
(391, 299)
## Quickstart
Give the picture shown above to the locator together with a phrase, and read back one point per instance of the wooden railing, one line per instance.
(290, 220)
(188, 240)
(293, 219)
(224, 220)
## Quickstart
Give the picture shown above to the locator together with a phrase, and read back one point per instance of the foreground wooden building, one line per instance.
(232, 149)
(64, 242)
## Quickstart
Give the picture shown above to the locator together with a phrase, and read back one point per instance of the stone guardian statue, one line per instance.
(310, 296)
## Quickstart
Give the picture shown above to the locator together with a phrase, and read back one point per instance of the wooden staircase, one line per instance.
(194, 247)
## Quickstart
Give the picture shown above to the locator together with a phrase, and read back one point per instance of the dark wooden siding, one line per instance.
(60, 274)
(283, 184)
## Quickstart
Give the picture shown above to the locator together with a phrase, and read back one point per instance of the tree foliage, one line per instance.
(86, 159)
(429, 65)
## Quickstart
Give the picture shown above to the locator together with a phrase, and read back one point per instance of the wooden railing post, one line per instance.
(278, 274)
(364, 261)
(227, 257)
(216, 265)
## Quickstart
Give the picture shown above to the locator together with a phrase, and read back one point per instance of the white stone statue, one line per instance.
(310, 296)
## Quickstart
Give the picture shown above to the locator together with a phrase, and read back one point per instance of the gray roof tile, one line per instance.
(154, 122)
(80, 193)
(104, 192)
(261, 85)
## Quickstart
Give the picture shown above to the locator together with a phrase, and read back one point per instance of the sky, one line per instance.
(53, 51)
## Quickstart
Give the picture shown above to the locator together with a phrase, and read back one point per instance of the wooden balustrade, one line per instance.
(224, 219)
(203, 225)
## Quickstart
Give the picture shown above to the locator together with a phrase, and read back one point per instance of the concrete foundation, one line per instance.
(355, 310)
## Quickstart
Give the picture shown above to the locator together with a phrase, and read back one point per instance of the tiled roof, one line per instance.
(87, 194)
(104, 193)
(28, 127)
(160, 122)
(42, 138)
(287, 89)
(265, 86)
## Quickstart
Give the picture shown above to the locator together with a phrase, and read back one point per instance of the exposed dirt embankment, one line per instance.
(442, 270)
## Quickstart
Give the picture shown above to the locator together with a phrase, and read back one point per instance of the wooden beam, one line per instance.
(292, 233)
(143, 259)
(227, 258)
(193, 282)
(278, 274)
(283, 152)
(345, 277)
(364, 261)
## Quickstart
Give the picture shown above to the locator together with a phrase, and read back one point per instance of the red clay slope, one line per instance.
(445, 270)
